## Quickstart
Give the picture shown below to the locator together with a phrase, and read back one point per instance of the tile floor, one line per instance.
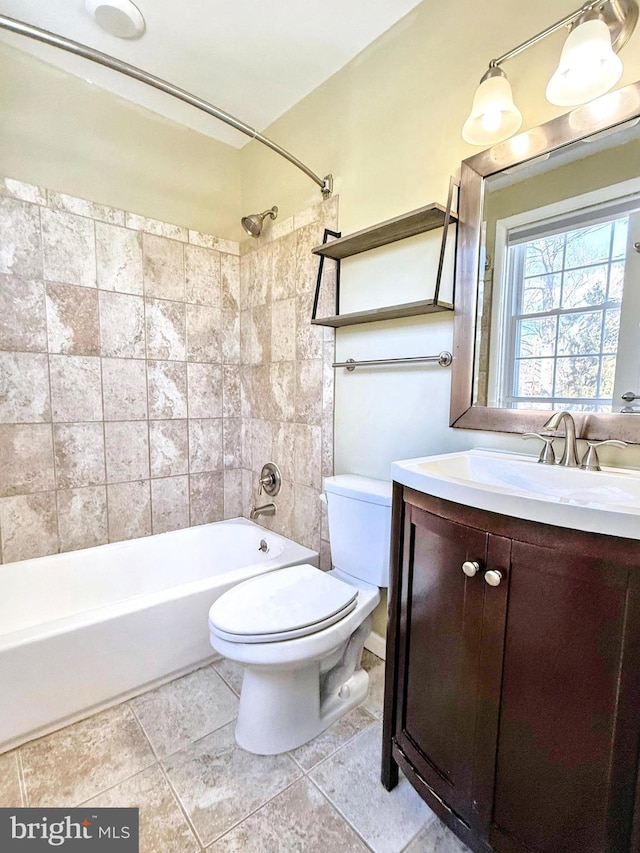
(172, 754)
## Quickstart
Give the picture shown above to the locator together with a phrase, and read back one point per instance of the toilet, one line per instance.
(299, 632)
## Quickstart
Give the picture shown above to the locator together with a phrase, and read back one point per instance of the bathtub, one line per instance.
(83, 630)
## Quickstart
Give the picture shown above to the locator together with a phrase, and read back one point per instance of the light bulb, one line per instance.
(493, 115)
(588, 66)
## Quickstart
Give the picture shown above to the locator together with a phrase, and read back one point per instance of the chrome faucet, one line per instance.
(265, 509)
(570, 456)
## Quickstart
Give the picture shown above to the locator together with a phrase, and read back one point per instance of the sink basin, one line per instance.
(606, 501)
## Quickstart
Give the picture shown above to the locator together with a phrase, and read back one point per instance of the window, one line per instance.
(564, 291)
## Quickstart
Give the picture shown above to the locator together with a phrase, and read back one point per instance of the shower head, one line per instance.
(253, 224)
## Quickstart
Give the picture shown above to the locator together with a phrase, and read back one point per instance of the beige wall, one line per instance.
(61, 132)
(388, 127)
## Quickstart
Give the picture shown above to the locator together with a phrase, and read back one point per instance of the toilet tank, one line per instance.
(359, 511)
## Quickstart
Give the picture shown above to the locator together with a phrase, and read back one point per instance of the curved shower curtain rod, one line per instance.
(15, 26)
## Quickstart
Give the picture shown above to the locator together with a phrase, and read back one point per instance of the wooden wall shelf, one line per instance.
(399, 228)
(392, 312)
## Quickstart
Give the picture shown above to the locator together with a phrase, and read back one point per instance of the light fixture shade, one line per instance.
(493, 115)
(588, 66)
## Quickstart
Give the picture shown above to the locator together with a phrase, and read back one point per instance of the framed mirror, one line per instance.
(548, 276)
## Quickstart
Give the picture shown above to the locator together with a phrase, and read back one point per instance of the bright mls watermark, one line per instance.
(71, 830)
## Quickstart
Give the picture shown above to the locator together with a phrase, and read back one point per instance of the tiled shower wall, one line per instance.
(130, 402)
(119, 375)
(287, 378)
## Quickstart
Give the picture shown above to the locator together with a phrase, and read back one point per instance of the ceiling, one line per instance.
(252, 58)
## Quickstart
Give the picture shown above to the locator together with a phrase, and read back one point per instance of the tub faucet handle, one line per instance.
(270, 480)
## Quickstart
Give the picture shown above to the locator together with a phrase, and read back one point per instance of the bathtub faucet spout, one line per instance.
(265, 509)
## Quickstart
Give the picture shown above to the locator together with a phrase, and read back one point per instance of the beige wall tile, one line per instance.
(207, 241)
(307, 455)
(282, 402)
(126, 450)
(170, 504)
(119, 259)
(283, 330)
(71, 204)
(166, 336)
(232, 493)
(206, 497)
(163, 268)
(202, 275)
(72, 320)
(231, 405)
(156, 227)
(284, 267)
(308, 338)
(68, 243)
(167, 381)
(82, 518)
(306, 517)
(122, 330)
(69, 373)
(22, 191)
(261, 287)
(205, 445)
(309, 379)
(260, 334)
(23, 320)
(205, 390)
(230, 334)
(168, 443)
(203, 333)
(230, 282)
(24, 388)
(28, 525)
(26, 459)
(79, 455)
(232, 442)
(21, 244)
(284, 436)
(129, 510)
(261, 444)
(124, 389)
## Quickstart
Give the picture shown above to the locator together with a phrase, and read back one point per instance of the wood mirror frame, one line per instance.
(602, 114)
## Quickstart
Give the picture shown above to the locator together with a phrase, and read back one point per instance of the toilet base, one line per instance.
(281, 710)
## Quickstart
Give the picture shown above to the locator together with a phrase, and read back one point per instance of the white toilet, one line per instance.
(299, 632)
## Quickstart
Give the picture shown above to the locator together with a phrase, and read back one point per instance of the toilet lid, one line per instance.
(284, 604)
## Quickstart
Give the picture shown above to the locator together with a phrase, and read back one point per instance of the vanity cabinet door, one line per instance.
(566, 753)
(438, 652)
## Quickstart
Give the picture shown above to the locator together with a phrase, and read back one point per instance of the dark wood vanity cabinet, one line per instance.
(514, 709)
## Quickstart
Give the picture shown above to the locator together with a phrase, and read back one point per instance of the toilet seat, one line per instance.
(293, 602)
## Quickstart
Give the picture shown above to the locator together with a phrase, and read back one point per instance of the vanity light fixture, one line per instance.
(588, 67)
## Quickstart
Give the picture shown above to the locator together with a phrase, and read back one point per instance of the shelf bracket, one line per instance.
(453, 184)
(327, 233)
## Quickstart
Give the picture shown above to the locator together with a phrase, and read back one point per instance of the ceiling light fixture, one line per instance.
(588, 67)
(120, 18)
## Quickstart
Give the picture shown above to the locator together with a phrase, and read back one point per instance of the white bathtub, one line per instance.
(82, 630)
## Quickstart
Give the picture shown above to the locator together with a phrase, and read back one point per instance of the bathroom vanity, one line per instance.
(512, 698)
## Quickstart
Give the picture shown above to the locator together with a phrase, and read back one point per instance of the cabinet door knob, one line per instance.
(470, 568)
(493, 577)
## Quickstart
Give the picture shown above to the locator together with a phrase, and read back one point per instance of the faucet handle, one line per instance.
(547, 454)
(590, 461)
